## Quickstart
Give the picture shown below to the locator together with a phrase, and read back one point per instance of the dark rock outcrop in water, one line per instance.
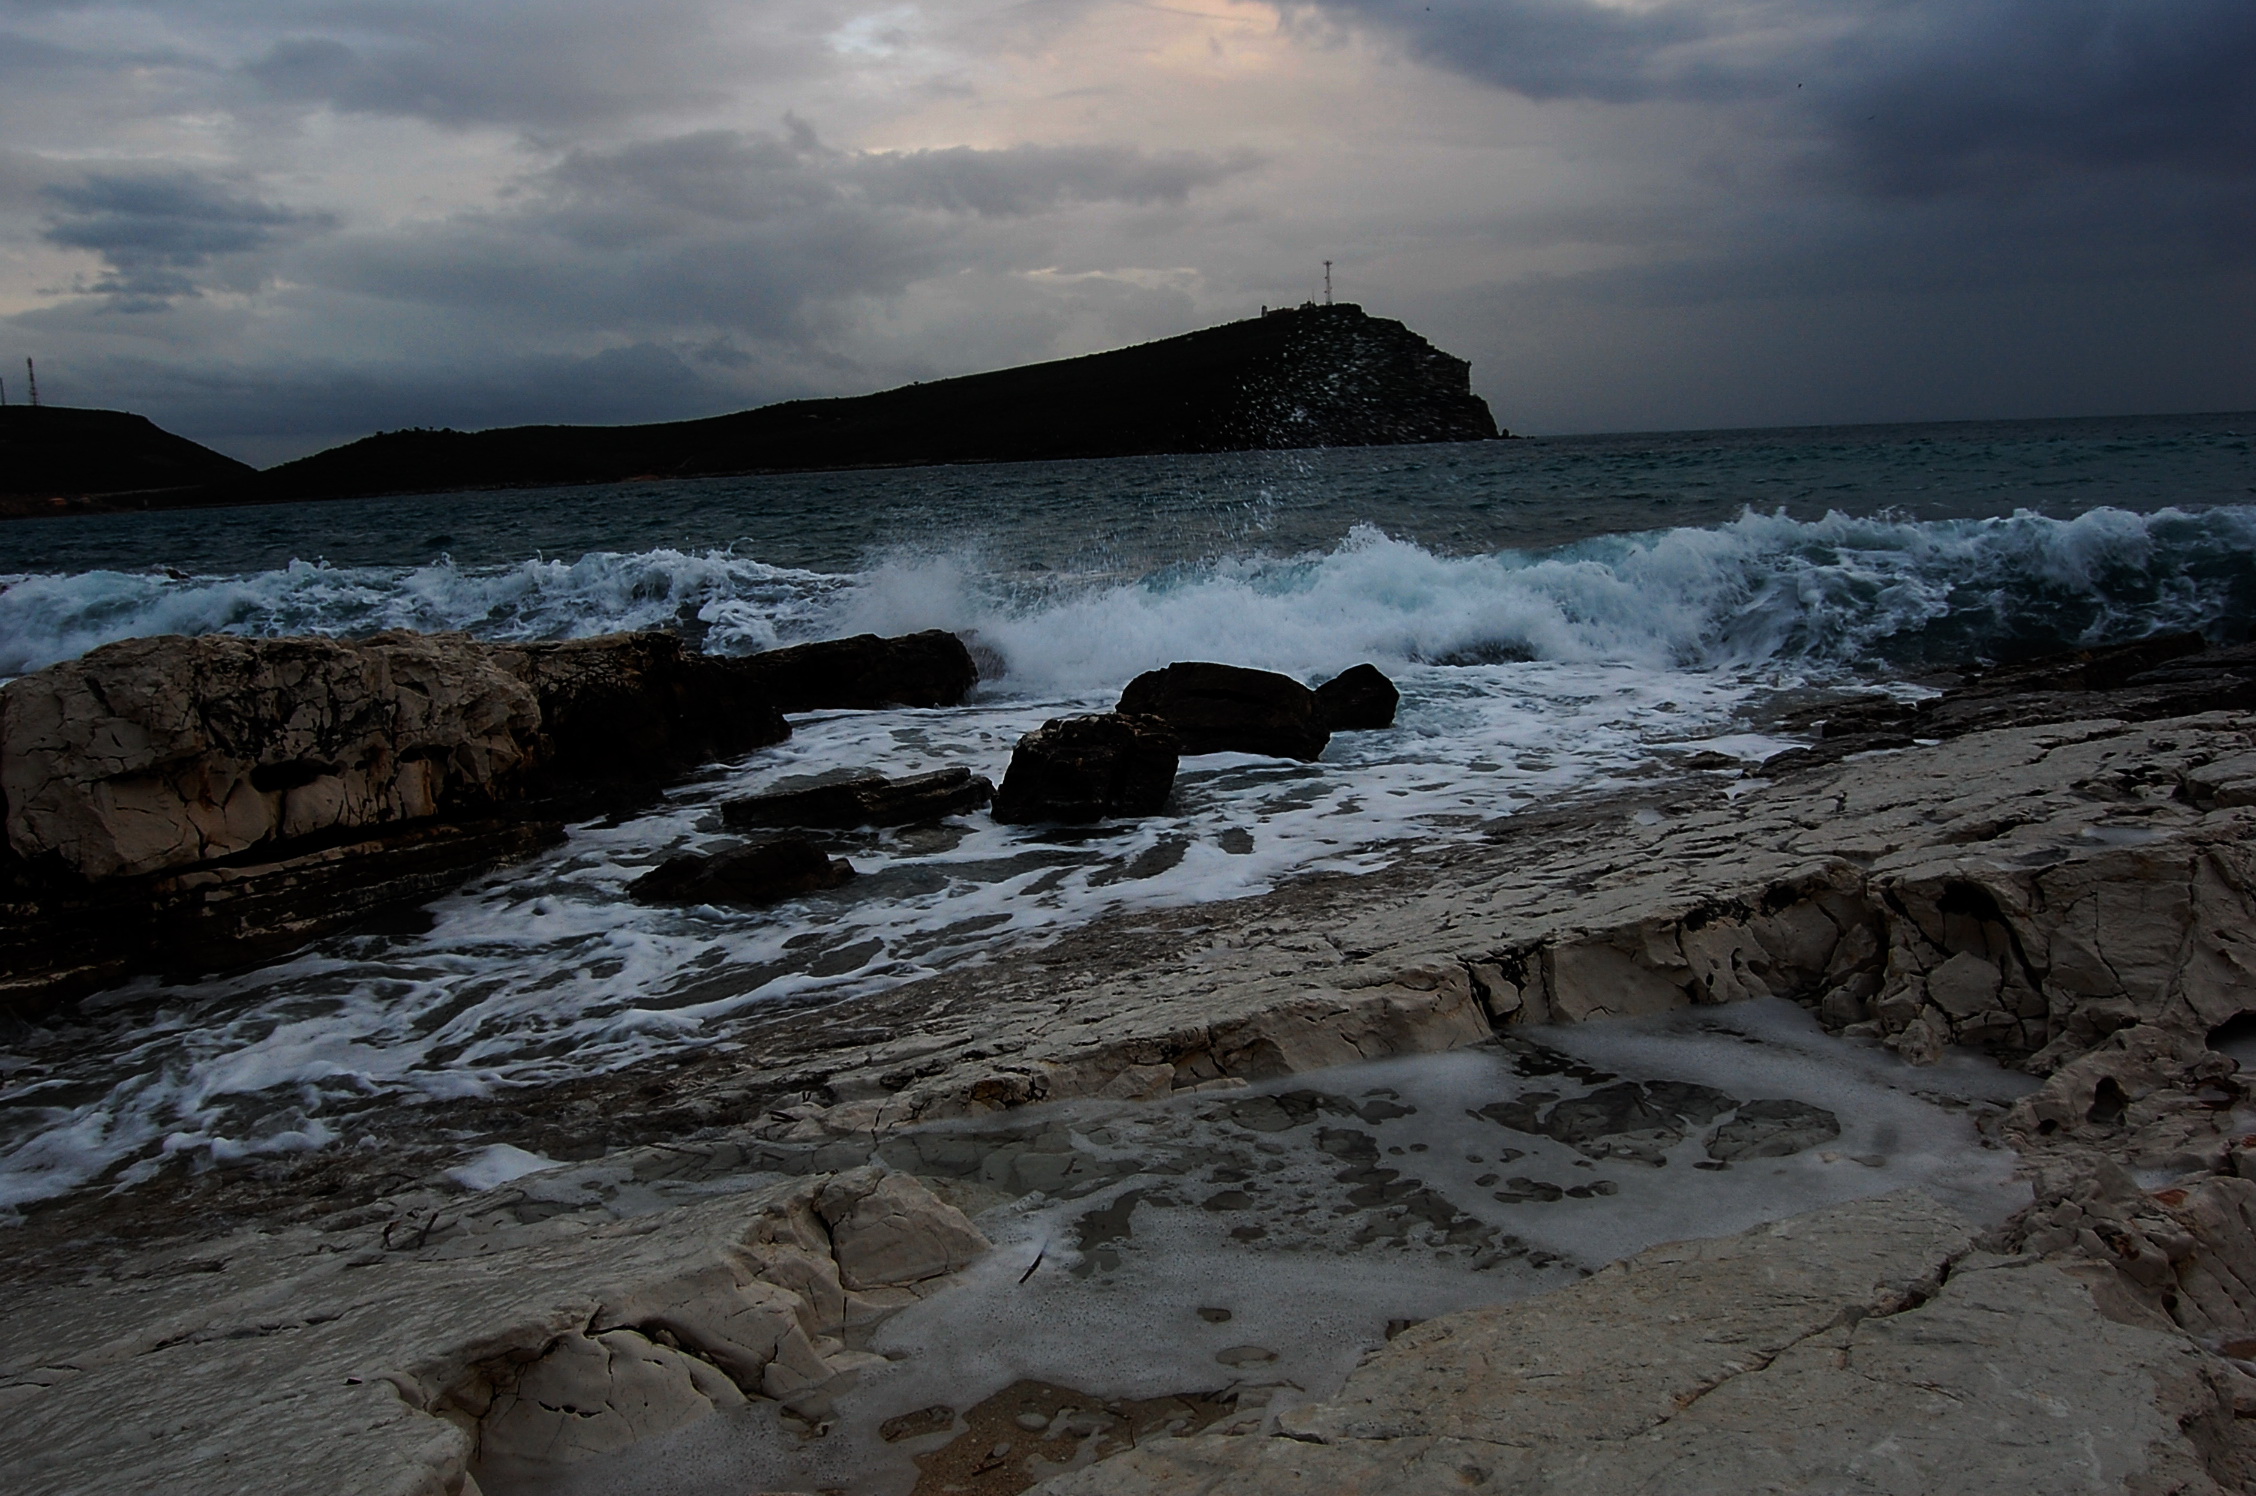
(865, 800)
(57, 459)
(185, 804)
(932, 668)
(1229, 709)
(1360, 699)
(2167, 675)
(1313, 376)
(1080, 769)
(765, 873)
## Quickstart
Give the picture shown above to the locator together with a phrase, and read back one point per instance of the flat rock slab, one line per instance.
(1863, 1348)
(378, 1364)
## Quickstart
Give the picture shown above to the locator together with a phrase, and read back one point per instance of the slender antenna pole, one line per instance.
(31, 377)
(1327, 283)
(3, 394)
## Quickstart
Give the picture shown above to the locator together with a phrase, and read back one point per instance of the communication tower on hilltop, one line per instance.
(1327, 283)
(31, 377)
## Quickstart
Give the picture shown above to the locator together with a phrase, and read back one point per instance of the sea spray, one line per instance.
(1829, 593)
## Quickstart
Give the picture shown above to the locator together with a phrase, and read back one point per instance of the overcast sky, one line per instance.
(274, 225)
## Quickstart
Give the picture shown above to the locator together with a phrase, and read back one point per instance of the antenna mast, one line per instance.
(1327, 283)
(31, 377)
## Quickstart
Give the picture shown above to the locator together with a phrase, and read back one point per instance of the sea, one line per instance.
(1565, 617)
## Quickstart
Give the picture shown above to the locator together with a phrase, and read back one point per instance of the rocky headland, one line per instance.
(2053, 865)
(1308, 376)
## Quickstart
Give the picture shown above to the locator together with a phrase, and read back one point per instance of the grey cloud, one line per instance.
(539, 64)
(775, 237)
(1032, 178)
(159, 233)
(728, 174)
(1913, 95)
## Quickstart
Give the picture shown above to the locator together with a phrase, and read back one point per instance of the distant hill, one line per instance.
(1304, 377)
(57, 459)
(1307, 376)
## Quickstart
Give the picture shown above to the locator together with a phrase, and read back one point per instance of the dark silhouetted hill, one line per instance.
(1309, 376)
(57, 459)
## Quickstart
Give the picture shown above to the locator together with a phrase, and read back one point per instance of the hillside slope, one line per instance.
(1309, 376)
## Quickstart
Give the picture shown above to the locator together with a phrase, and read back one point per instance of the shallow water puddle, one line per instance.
(1159, 1269)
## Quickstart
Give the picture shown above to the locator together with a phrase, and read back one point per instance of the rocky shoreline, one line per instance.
(2056, 867)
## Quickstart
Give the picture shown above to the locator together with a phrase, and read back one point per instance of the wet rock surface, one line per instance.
(1360, 699)
(764, 873)
(1704, 1367)
(195, 804)
(1080, 769)
(2073, 900)
(932, 668)
(1229, 709)
(865, 800)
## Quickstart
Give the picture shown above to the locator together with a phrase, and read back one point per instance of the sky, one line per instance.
(275, 226)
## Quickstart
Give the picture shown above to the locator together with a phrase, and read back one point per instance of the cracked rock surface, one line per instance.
(1865, 1347)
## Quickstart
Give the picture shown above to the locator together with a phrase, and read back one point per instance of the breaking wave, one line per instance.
(1836, 591)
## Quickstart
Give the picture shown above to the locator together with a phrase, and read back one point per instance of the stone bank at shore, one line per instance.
(2059, 869)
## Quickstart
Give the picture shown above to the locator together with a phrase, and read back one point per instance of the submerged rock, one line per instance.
(1229, 709)
(866, 800)
(764, 873)
(1773, 1129)
(932, 668)
(1360, 699)
(1089, 769)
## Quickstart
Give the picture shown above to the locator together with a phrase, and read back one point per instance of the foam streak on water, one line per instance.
(1526, 676)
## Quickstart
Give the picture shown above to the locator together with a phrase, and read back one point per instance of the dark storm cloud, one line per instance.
(161, 233)
(1912, 95)
(539, 64)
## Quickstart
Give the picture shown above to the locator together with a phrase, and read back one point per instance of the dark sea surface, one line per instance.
(1565, 616)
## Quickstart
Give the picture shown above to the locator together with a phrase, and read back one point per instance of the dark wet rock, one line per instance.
(1628, 1119)
(1773, 1129)
(866, 800)
(932, 668)
(1080, 769)
(60, 944)
(2167, 675)
(183, 805)
(1521, 1190)
(1360, 699)
(760, 874)
(1229, 709)
(638, 708)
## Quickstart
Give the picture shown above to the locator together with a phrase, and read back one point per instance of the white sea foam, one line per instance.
(1763, 587)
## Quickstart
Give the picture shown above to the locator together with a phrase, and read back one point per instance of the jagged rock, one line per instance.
(158, 753)
(932, 668)
(186, 804)
(1229, 709)
(865, 800)
(1089, 769)
(764, 873)
(888, 1229)
(1359, 699)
